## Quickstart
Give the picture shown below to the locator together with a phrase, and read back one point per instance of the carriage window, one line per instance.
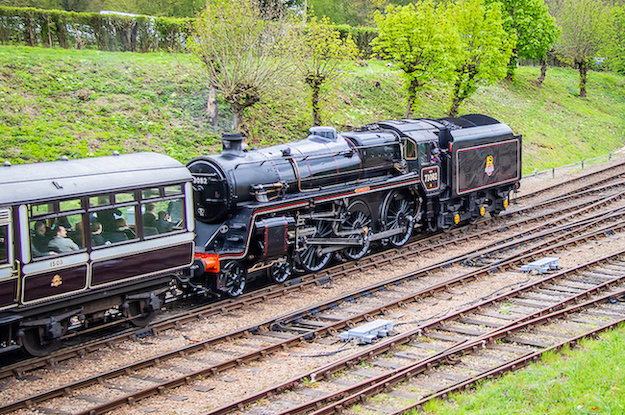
(56, 236)
(4, 244)
(151, 193)
(163, 216)
(101, 200)
(67, 205)
(124, 197)
(173, 190)
(41, 209)
(113, 226)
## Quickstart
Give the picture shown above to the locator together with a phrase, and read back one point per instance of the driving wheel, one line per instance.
(359, 221)
(312, 260)
(399, 211)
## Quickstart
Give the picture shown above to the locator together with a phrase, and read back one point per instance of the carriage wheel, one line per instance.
(399, 211)
(34, 343)
(359, 218)
(311, 259)
(235, 276)
(141, 313)
(280, 271)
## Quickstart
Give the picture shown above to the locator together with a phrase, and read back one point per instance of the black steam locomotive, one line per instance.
(295, 206)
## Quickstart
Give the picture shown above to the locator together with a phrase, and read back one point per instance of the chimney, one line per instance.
(232, 144)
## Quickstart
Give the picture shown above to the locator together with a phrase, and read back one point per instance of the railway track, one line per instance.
(477, 343)
(296, 329)
(481, 230)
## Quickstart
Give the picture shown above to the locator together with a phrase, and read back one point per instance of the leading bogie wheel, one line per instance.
(235, 278)
(280, 271)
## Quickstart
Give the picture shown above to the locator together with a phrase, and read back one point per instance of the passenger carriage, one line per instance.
(124, 272)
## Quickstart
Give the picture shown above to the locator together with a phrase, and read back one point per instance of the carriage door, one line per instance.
(8, 275)
(57, 261)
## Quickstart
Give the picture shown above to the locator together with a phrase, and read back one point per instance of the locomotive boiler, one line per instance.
(297, 205)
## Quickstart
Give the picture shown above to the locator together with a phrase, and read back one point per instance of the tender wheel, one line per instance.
(280, 271)
(359, 218)
(34, 343)
(399, 211)
(235, 278)
(311, 259)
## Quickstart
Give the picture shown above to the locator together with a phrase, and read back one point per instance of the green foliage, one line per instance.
(57, 102)
(615, 49)
(361, 35)
(585, 29)
(485, 48)
(588, 381)
(320, 51)
(419, 39)
(535, 29)
(106, 32)
(350, 12)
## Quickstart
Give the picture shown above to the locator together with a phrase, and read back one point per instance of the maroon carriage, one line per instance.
(81, 243)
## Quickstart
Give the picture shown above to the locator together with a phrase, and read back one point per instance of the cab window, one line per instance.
(410, 151)
(424, 157)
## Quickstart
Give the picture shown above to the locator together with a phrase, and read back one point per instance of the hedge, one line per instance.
(106, 32)
(116, 32)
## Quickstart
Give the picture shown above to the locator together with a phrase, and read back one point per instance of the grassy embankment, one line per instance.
(84, 103)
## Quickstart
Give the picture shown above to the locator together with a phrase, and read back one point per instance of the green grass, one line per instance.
(586, 380)
(56, 102)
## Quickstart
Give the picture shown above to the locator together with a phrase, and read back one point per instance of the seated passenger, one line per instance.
(163, 223)
(119, 234)
(40, 239)
(149, 217)
(61, 243)
(96, 234)
(77, 235)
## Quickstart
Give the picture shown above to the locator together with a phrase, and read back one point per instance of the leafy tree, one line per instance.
(351, 12)
(420, 40)
(240, 52)
(616, 47)
(321, 51)
(484, 52)
(535, 30)
(585, 27)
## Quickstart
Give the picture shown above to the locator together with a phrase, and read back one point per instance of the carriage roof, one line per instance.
(62, 179)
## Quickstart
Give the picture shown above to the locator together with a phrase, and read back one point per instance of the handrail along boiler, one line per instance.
(297, 205)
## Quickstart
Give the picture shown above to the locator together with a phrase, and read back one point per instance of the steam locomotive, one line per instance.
(296, 206)
(81, 245)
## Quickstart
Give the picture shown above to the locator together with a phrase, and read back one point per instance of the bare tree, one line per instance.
(241, 45)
